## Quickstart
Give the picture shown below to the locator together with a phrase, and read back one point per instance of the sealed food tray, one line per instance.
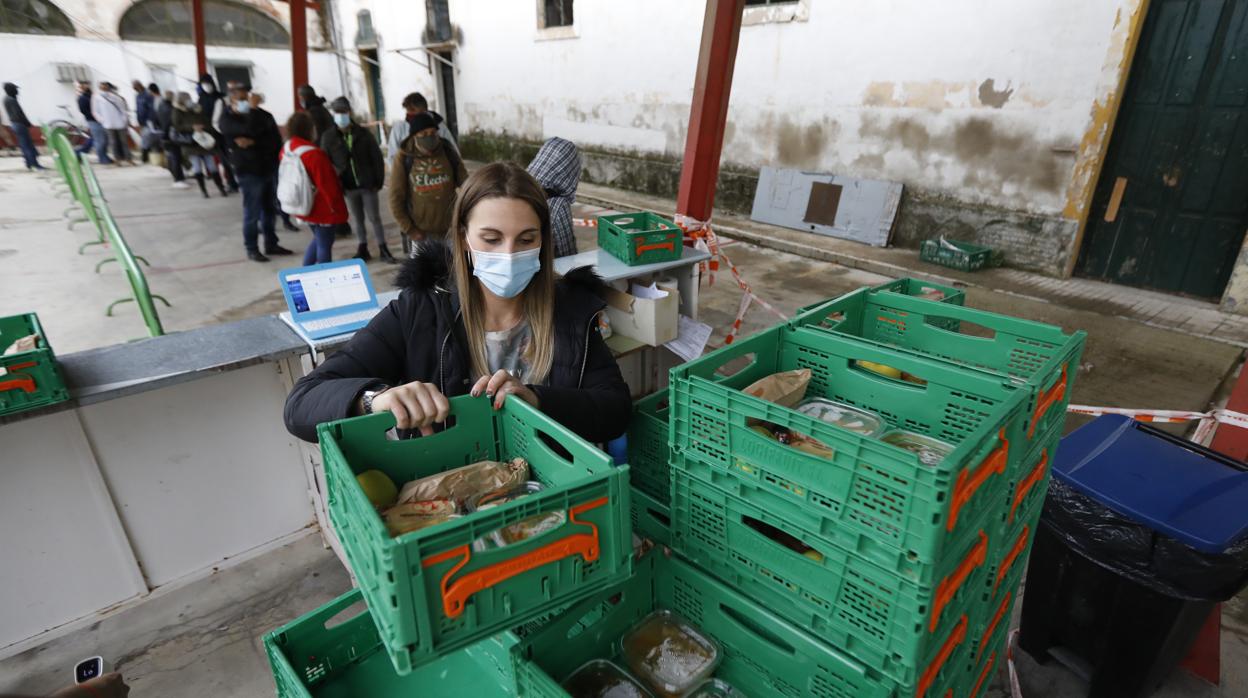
(640, 238)
(332, 653)
(31, 378)
(429, 591)
(763, 654)
(1041, 360)
(874, 499)
(875, 616)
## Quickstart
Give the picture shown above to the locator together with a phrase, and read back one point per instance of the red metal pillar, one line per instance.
(299, 45)
(721, 28)
(197, 26)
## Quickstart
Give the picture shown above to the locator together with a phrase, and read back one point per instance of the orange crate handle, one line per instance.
(1035, 476)
(967, 484)
(949, 585)
(1050, 396)
(455, 595)
(996, 618)
(929, 674)
(21, 382)
(1011, 556)
(992, 659)
(669, 246)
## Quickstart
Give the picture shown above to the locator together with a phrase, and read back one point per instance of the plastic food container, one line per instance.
(521, 530)
(599, 678)
(930, 451)
(716, 688)
(670, 654)
(855, 419)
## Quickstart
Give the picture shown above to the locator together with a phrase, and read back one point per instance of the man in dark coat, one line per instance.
(209, 95)
(254, 145)
(362, 170)
(21, 127)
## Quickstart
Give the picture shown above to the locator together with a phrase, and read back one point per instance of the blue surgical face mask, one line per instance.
(506, 275)
(242, 107)
(342, 120)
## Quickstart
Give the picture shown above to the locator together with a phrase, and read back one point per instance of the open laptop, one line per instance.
(329, 299)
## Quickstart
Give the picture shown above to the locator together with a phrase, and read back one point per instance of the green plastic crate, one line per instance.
(763, 655)
(32, 378)
(1039, 359)
(313, 658)
(1027, 485)
(919, 288)
(429, 592)
(650, 518)
(985, 654)
(648, 450)
(963, 256)
(640, 238)
(879, 618)
(871, 498)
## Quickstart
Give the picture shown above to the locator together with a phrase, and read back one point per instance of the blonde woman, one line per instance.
(482, 313)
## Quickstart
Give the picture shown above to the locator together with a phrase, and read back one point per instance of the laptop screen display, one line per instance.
(326, 289)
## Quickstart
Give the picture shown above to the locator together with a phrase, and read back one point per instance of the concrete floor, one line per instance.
(198, 264)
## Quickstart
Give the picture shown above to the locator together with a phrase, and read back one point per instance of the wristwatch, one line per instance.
(366, 400)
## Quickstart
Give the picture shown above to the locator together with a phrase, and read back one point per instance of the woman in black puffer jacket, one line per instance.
(481, 313)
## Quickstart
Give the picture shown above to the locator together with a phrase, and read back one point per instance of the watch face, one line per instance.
(88, 669)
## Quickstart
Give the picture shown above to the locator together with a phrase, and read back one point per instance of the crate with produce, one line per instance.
(501, 517)
(29, 374)
(675, 630)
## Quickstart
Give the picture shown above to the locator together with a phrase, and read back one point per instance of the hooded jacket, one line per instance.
(17, 117)
(420, 337)
(208, 100)
(557, 167)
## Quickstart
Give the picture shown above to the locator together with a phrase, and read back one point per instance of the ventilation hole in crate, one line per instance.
(826, 502)
(315, 672)
(865, 605)
(779, 581)
(876, 506)
(688, 600)
(708, 431)
(819, 601)
(590, 618)
(961, 419)
(825, 684)
(781, 483)
(890, 326)
(590, 569)
(707, 525)
(450, 625)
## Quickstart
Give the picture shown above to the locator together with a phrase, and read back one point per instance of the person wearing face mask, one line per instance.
(212, 104)
(483, 314)
(314, 105)
(254, 144)
(414, 105)
(423, 180)
(362, 171)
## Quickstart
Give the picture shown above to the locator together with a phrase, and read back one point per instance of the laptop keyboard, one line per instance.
(326, 323)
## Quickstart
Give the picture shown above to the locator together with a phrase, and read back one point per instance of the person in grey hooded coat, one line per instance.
(557, 167)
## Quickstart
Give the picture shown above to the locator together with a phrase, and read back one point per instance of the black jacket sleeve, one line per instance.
(335, 146)
(599, 410)
(377, 163)
(376, 355)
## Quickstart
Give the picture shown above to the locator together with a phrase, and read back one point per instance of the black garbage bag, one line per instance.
(1137, 552)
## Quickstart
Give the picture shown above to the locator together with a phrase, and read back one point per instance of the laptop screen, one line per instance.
(326, 289)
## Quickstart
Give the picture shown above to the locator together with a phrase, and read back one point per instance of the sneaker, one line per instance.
(257, 257)
(277, 251)
(181, 185)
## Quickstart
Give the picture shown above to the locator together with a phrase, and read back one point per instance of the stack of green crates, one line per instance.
(31, 378)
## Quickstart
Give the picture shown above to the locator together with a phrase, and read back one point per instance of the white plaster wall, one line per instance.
(887, 89)
(398, 25)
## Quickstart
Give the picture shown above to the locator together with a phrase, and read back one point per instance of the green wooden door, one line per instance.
(1172, 202)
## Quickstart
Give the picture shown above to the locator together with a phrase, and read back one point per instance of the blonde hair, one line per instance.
(509, 181)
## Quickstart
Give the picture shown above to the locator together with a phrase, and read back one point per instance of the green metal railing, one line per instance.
(85, 189)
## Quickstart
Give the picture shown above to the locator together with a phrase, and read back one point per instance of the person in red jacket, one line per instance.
(329, 209)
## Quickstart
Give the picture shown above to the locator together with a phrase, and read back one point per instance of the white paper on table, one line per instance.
(691, 338)
(651, 292)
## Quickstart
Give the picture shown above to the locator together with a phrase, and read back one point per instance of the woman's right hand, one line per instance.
(414, 406)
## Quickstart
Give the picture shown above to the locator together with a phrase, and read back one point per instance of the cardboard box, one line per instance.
(651, 321)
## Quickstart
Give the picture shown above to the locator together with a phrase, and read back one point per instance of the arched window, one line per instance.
(225, 24)
(33, 17)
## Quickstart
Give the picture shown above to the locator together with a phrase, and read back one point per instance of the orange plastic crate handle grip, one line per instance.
(455, 594)
(996, 618)
(949, 586)
(24, 383)
(1011, 556)
(968, 483)
(669, 246)
(992, 659)
(18, 367)
(1050, 396)
(1035, 476)
(929, 674)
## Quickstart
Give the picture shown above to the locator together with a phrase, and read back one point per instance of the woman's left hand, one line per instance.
(502, 384)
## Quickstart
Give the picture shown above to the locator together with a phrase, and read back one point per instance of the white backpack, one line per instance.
(295, 191)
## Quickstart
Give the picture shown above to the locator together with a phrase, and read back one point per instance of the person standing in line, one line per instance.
(423, 180)
(21, 127)
(557, 167)
(190, 129)
(211, 101)
(99, 136)
(315, 106)
(144, 109)
(173, 151)
(288, 224)
(362, 170)
(110, 109)
(413, 105)
(254, 144)
(329, 208)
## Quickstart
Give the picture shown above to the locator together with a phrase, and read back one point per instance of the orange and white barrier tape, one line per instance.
(1209, 421)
